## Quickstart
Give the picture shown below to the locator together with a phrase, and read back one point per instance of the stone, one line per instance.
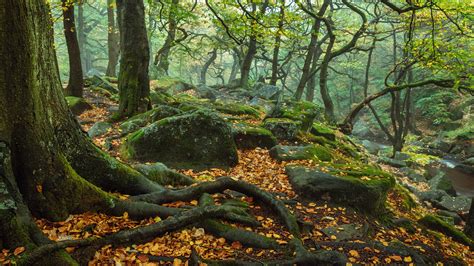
(435, 223)
(308, 152)
(157, 113)
(77, 105)
(247, 136)
(267, 92)
(319, 129)
(302, 111)
(346, 231)
(453, 215)
(161, 174)
(198, 140)
(455, 204)
(367, 196)
(371, 147)
(98, 81)
(469, 161)
(392, 162)
(401, 156)
(99, 128)
(440, 144)
(282, 128)
(441, 182)
(206, 92)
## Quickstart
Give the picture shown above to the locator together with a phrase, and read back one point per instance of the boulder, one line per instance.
(371, 147)
(204, 91)
(197, 140)
(346, 231)
(267, 92)
(98, 81)
(234, 108)
(441, 182)
(435, 223)
(322, 130)
(392, 162)
(99, 128)
(452, 215)
(247, 136)
(302, 111)
(170, 85)
(308, 152)
(454, 204)
(157, 113)
(366, 195)
(77, 105)
(282, 128)
(161, 174)
(469, 161)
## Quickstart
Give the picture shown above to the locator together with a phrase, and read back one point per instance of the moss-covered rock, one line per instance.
(435, 223)
(99, 128)
(365, 194)
(199, 139)
(236, 109)
(96, 81)
(170, 85)
(155, 114)
(161, 97)
(77, 105)
(308, 152)
(302, 111)
(161, 174)
(248, 136)
(282, 128)
(319, 129)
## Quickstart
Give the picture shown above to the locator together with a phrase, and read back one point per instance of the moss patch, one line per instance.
(435, 223)
(248, 136)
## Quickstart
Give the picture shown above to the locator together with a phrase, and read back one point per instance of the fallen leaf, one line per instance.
(18, 251)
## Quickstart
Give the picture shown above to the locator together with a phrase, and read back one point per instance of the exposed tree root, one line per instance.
(220, 185)
(136, 235)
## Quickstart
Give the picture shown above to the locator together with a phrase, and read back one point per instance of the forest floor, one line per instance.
(257, 167)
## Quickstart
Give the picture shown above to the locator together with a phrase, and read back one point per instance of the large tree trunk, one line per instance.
(134, 84)
(75, 85)
(112, 40)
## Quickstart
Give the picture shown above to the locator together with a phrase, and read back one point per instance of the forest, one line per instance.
(236, 132)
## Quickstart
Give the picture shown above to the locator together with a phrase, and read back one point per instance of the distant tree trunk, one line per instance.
(134, 84)
(310, 51)
(81, 35)
(323, 82)
(162, 56)
(311, 85)
(206, 66)
(75, 85)
(112, 40)
(252, 46)
(235, 65)
(276, 47)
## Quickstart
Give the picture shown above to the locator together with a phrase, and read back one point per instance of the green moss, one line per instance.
(435, 223)
(322, 130)
(466, 132)
(237, 109)
(77, 104)
(303, 111)
(407, 200)
(248, 136)
(282, 128)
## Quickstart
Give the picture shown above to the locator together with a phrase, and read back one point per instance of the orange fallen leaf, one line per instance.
(18, 251)
(354, 253)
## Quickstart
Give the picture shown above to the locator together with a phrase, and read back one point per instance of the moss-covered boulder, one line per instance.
(157, 113)
(97, 81)
(367, 194)
(308, 152)
(77, 105)
(319, 129)
(248, 136)
(283, 128)
(198, 140)
(436, 223)
(170, 85)
(302, 111)
(161, 174)
(99, 128)
(236, 109)
(161, 97)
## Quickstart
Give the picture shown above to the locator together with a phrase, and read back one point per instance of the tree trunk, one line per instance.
(311, 85)
(311, 50)
(162, 56)
(81, 35)
(276, 48)
(133, 84)
(235, 65)
(75, 85)
(112, 40)
(247, 62)
(323, 83)
(207, 65)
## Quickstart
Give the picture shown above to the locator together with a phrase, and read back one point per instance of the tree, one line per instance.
(133, 81)
(75, 85)
(112, 40)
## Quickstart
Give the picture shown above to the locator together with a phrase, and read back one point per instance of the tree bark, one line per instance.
(112, 40)
(134, 87)
(206, 66)
(276, 47)
(75, 86)
(162, 56)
